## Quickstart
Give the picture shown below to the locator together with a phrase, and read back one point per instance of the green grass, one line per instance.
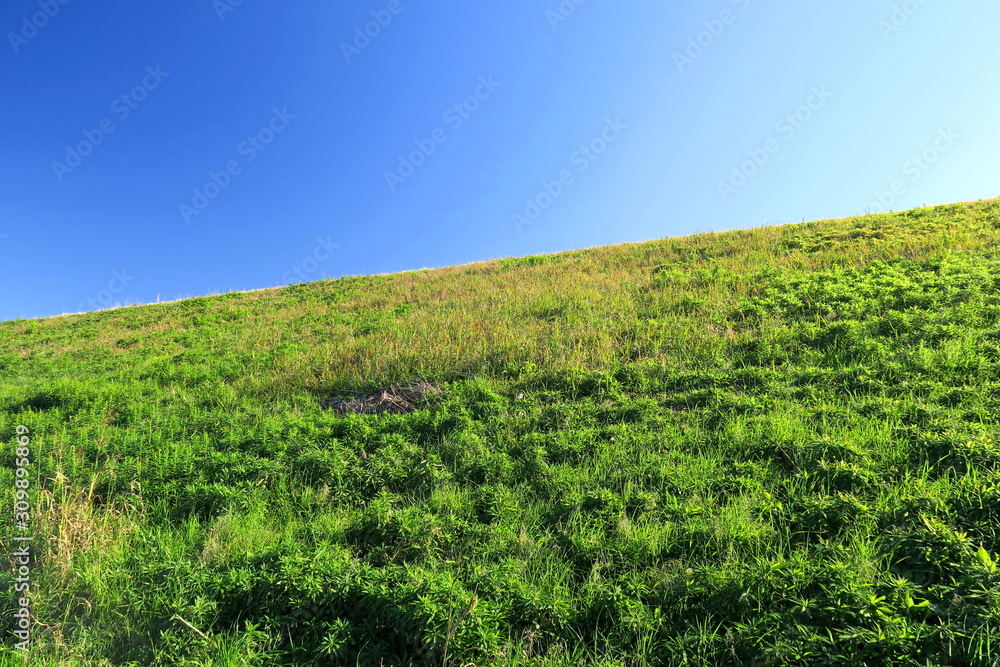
(777, 446)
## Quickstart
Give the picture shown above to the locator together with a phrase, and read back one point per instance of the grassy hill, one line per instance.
(777, 446)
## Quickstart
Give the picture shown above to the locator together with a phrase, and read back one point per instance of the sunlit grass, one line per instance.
(775, 446)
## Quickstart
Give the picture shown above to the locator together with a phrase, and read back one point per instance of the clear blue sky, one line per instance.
(643, 120)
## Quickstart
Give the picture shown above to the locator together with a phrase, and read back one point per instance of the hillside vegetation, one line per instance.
(777, 446)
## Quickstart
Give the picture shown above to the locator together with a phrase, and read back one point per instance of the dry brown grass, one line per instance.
(77, 525)
(392, 400)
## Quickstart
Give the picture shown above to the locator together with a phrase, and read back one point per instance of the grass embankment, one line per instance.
(769, 447)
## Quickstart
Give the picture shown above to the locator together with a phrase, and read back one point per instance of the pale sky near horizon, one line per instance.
(203, 146)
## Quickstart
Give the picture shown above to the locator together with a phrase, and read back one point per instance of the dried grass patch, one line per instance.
(392, 399)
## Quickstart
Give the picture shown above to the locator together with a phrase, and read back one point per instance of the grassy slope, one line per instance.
(774, 447)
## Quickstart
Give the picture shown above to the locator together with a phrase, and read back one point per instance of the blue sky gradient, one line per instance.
(203, 146)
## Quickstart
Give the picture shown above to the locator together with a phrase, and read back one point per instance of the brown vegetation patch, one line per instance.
(392, 399)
